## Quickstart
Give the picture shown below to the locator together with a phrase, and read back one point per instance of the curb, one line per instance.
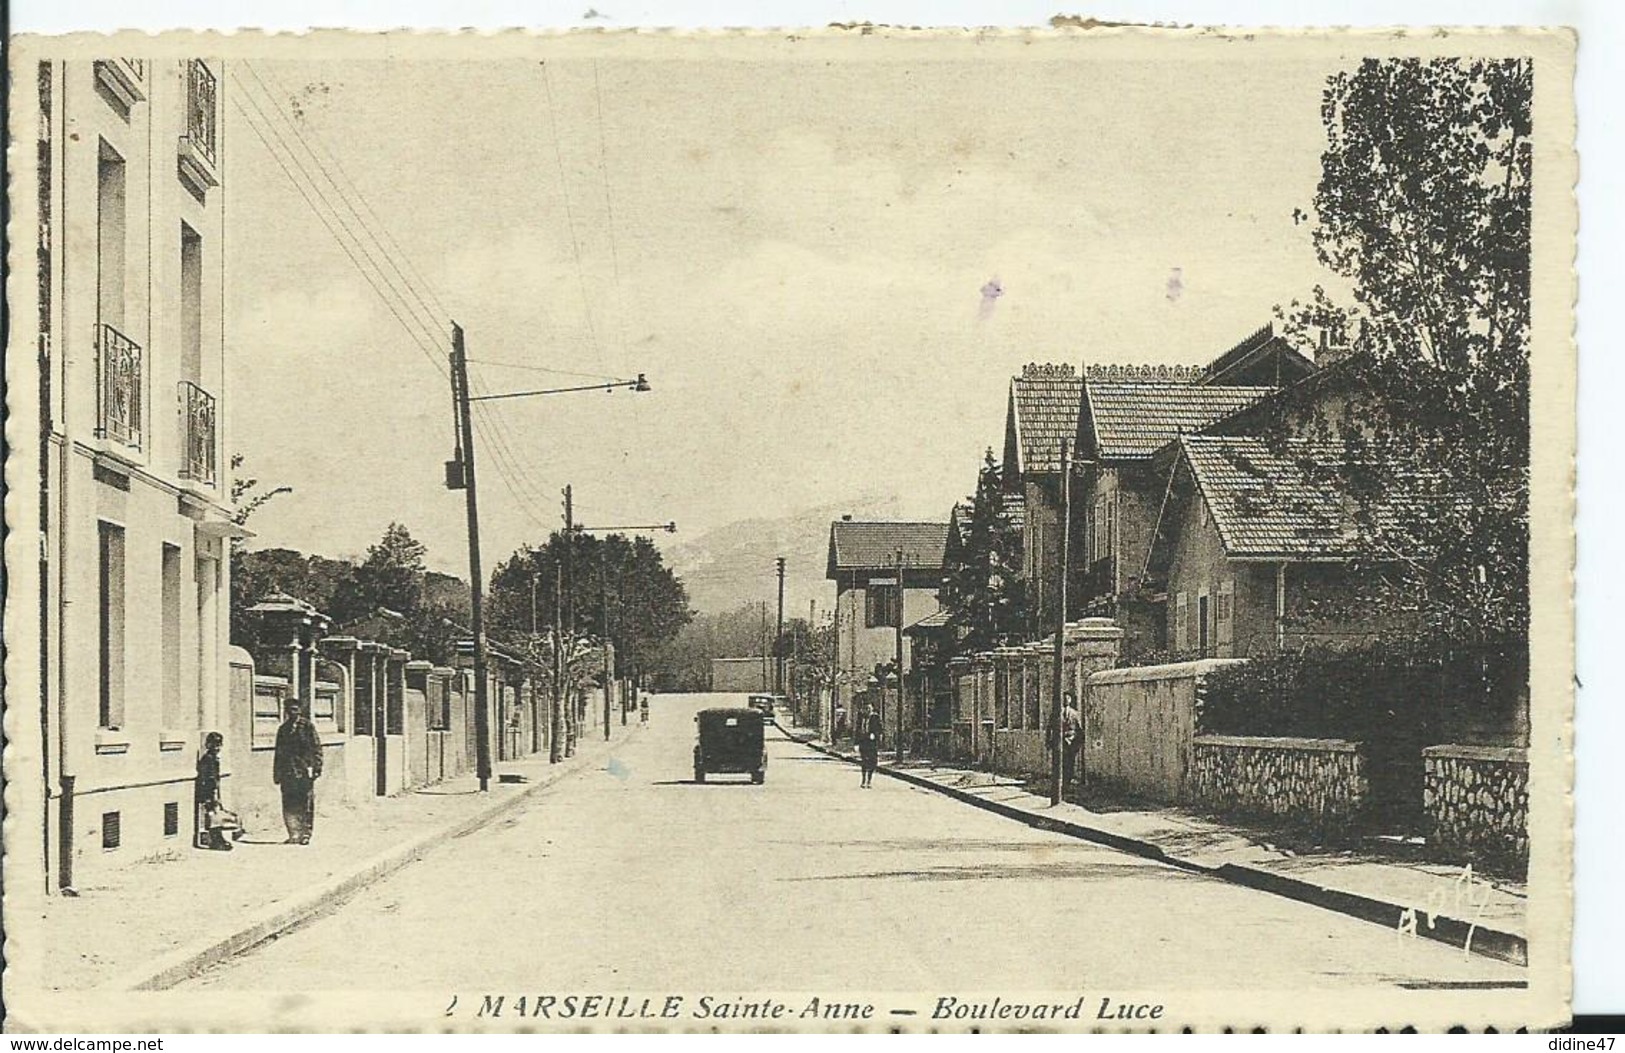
(178, 966)
(1491, 943)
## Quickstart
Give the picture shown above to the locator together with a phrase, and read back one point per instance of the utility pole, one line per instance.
(761, 640)
(778, 638)
(1056, 746)
(557, 719)
(464, 460)
(900, 691)
(609, 665)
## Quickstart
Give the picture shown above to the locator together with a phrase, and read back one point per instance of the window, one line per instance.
(170, 700)
(1001, 698)
(191, 358)
(172, 818)
(1102, 524)
(110, 237)
(881, 605)
(1202, 635)
(110, 642)
(112, 830)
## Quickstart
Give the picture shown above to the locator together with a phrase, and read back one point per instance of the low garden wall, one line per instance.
(1476, 799)
(1316, 784)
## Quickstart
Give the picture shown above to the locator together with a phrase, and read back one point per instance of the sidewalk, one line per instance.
(1445, 903)
(154, 922)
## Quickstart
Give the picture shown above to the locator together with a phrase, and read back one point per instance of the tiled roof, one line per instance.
(873, 546)
(1261, 502)
(1044, 402)
(936, 620)
(1138, 418)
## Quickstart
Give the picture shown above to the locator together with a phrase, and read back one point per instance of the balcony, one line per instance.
(124, 79)
(198, 160)
(118, 387)
(197, 433)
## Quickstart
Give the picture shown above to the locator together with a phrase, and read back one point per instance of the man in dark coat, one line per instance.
(867, 734)
(296, 767)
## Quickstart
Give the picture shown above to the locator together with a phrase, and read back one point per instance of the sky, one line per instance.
(828, 269)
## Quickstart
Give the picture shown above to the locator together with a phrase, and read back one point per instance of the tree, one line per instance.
(616, 587)
(1424, 206)
(391, 577)
(982, 588)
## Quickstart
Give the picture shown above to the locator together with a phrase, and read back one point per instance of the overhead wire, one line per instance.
(415, 302)
(388, 302)
(428, 288)
(569, 213)
(409, 290)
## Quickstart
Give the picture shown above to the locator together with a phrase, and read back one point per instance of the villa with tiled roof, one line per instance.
(1252, 547)
(1042, 411)
(872, 598)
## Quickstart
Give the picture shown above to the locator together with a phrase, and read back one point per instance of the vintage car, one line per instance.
(763, 704)
(731, 742)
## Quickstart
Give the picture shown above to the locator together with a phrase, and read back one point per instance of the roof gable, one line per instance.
(1043, 411)
(1263, 503)
(855, 546)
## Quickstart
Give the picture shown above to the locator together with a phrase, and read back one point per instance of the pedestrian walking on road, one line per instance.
(296, 767)
(868, 736)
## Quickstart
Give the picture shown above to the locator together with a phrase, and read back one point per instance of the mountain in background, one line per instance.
(732, 565)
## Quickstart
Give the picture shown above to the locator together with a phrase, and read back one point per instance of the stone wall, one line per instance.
(1477, 803)
(1314, 784)
(1138, 724)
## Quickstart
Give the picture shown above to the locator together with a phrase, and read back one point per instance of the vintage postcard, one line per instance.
(845, 530)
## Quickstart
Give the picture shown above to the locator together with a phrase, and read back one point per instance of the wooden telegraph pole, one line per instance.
(1055, 727)
(898, 746)
(464, 474)
(778, 638)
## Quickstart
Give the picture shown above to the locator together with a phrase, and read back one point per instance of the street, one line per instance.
(632, 877)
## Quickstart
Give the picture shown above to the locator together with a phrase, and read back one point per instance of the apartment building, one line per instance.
(134, 482)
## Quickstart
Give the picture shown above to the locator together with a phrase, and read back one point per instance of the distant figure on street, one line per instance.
(296, 767)
(1071, 741)
(643, 708)
(212, 817)
(868, 736)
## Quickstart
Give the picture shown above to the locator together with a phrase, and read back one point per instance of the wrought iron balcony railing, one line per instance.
(118, 388)
(197, 433)
(201, 108)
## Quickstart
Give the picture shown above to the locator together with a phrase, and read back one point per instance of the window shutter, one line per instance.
(1181, 639)
(1225, 620)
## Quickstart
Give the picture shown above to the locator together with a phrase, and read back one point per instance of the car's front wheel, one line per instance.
(758, 777)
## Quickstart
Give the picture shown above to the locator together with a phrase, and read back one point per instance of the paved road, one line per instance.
(634, 878)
